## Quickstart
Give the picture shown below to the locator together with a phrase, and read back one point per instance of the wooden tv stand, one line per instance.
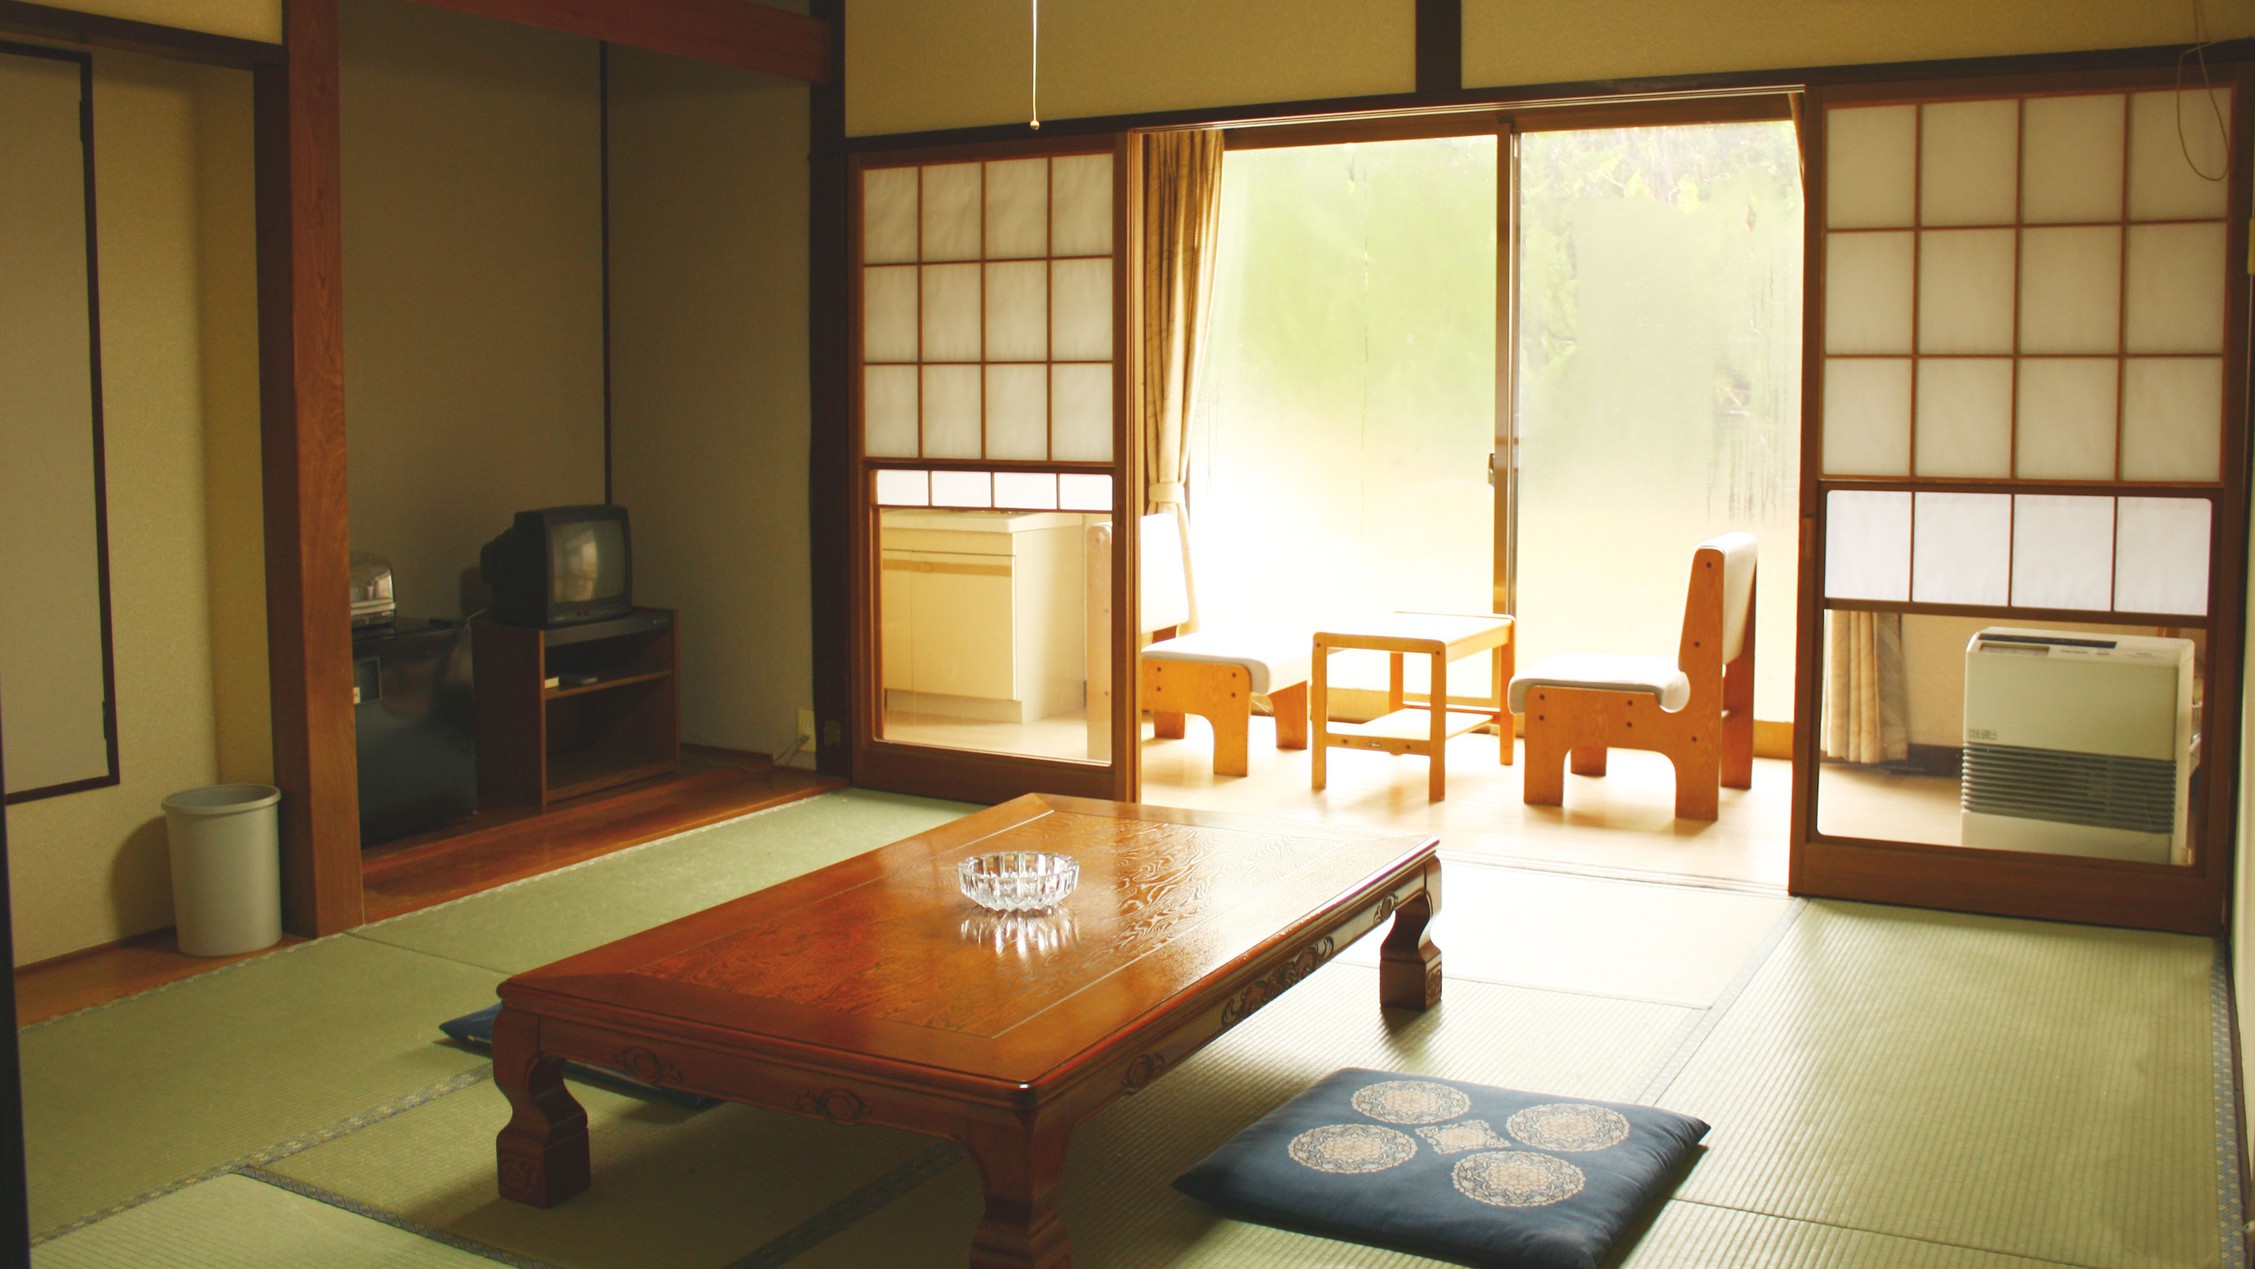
(539, 744)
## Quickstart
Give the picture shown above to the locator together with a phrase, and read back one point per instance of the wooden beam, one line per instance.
(302, 428)
(730, 32)
(1440, 47)
(830, 468)
(99, 31)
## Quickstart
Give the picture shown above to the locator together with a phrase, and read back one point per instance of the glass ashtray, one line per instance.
(1018, 880)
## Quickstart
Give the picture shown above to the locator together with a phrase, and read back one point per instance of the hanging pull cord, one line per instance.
(1033, 105)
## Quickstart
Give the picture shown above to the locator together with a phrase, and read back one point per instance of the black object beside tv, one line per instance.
(559, 566)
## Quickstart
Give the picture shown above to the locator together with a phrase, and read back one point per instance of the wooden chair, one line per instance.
(1214, 674)
(1698, 710)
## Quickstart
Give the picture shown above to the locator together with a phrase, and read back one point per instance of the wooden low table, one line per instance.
(872, 991)
(1414, 729)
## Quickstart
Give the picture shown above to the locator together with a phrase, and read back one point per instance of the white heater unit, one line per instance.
(2077, 744)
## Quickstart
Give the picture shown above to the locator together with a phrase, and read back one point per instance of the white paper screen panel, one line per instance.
(2066, 415)
(1026, 490)
(950, 315)
(1080, 412)
(1018, 412)
(962, 489)
(888, 215)
(1868, 292)
(888, 314)
(2062, 551)
(1017, 194)
(2071, 290)
(1007, 490)
(951, 211)
(1969, 163)
(896, 488)
(1871, 174)
(2161, 555)
(888, 410)
(952, 407)
(2177, 154)
(2071, 158)
(1018, 311)
(2170, 406)
(1867, 545)
(1965, 417)
(1965, 299)
(1964, 549)
(1867, 416)
(2173, 289)
(1080, 192)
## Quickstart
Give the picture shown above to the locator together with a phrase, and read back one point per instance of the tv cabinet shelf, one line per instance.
(539, 745)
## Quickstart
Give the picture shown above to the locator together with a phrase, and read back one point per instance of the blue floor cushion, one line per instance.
(476, 1031)
(1443, 1168)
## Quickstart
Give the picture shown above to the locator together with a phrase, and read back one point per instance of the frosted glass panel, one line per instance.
(1018, 412)
(1965, 418)
(1964, 549)
(1970, 166)
(1080, 192)
(951, 211)
(1026, 490)
(1017, 209)
(1867, 305)
(2161, 555)
(2067, 419)
(2062, 551)
(1080, 408)
(1869, 166)
(888, 314)
(888, 215)
(888, 411)
(2071, 290)
(1867, 417)
(951, 312)
(904, 488)
(1867, 545)
(951, 411)
(2172, 412)
(1080, 310)
(2164, 127)
(1965, 285)
(1018, 312)
(2071, 159)
(962, 489)
(1079, 492)
(2175, 284)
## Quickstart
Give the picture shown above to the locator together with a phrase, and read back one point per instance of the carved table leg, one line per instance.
(1020, 1165)
(1409, 965)
(542, 1153)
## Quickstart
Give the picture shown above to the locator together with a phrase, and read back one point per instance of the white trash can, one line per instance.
(226, 868)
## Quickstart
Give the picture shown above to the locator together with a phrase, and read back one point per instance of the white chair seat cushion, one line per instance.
(1270, 661)
(1654, 676)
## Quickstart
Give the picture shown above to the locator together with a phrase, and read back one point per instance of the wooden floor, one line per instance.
(483, 851)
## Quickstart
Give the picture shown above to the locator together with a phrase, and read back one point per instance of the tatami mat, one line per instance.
(527, 925)
(134, 1096)
(672, 1187)
(1118, 1204)
(1677, 945)
(234, 1222)
(2026, 1088)
(1694, 1236)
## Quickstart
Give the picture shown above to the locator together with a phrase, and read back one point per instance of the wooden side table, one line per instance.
(1405, 728)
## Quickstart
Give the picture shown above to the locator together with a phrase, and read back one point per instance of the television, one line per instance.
(559, 566)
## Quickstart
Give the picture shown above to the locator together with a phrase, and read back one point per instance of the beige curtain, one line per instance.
(1181, 217)
(1865, 716)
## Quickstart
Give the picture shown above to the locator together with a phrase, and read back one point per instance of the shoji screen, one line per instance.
(2026, 395)
(2025, 291)
(987, 392)
(986, 310)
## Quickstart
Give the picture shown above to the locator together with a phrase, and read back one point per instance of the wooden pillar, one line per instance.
(301, 400)
(830, 467)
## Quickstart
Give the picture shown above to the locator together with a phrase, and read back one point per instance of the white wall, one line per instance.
(710, 412)
(173, 210)
(473, 286)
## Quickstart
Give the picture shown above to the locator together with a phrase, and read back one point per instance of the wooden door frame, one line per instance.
(2193, 899)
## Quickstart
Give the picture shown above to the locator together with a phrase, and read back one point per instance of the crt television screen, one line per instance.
(586, 561)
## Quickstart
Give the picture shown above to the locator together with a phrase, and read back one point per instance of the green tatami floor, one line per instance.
(1888, 1087)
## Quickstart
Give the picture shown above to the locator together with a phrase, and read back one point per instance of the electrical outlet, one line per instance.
(806, 730)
